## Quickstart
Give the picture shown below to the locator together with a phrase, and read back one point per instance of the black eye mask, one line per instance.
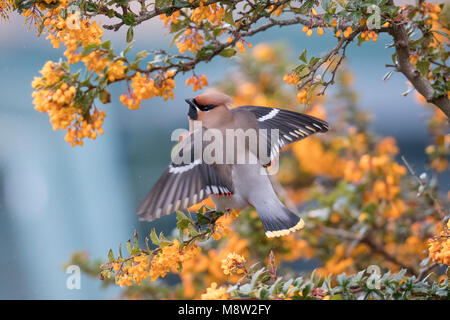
(193, 105)
(192, 114)
(205, 108)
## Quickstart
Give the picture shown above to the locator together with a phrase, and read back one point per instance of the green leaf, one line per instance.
(130, 34)
(147, 246)
(180, 3)
(355, 16)
(423, 67)
(174, 27)
(325, 4)
(128, 19)
(228, 18)
(227, 52)
(394, 58)
(313, 61)
(202, 219)
(129, 249)
(286, 285)
(163, 241)
(106, 45)
(303, 56)
(256, 276)
(162, 4)
(105, 96)
(183, 220)
(128, 48)
(192, 232)
(154, 238)
(88, 49)
(263, 293)
(175, 37)
(135, 245)
(274, 288)
(110, 255)
(91, 7)
(111, 13)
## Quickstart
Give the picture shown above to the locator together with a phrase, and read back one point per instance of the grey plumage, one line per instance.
(239, 185)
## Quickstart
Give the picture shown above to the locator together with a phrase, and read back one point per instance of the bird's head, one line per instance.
(208, 105)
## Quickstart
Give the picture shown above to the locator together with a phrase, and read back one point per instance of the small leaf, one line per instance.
(105, 97)
(263, 293)
(287, 285)
(174, 27)
(154, 238)
(325, 4)
(423, 67)
(129, 249)
(313, 61)
(130, 34)
(228, 18)
(228, 52)
(183, 220)
(303, 56)
(202, 219)
(180, 3)
(106, 45)
(162, 4)
(128, 19)
(135, 245)
(88, 49)
(337, 297)
(110, 255)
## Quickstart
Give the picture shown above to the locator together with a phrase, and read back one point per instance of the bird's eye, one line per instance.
(206, 107)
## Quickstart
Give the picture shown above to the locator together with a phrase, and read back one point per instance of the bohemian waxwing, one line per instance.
(193, 175)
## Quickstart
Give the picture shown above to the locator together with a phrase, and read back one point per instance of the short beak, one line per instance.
(192, 114)
(190, 102)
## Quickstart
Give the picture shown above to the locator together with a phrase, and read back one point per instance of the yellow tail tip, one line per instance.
(285, 232)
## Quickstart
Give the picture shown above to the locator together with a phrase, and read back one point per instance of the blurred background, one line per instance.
(55, 199)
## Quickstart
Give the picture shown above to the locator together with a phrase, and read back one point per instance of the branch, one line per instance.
(157, 11)
(376, 247)
(341, 44)
(405, 66)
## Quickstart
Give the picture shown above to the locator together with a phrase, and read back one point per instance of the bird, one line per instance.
(189, 178)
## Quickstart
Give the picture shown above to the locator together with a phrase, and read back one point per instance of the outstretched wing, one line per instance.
(187, 181)
(292, 126)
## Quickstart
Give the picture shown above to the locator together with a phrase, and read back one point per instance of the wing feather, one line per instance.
(183, 183)
(292, 126)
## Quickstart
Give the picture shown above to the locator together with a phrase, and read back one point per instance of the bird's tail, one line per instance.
(280, 221)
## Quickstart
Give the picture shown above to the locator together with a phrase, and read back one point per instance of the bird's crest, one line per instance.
(213, 97)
